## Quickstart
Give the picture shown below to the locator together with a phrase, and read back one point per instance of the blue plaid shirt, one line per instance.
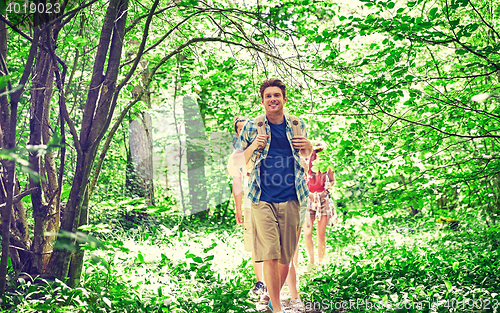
(248, 135)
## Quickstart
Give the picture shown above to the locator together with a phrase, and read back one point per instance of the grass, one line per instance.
(415, 267)
(374, 265)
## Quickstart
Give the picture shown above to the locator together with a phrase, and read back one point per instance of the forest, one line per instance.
(116, 123)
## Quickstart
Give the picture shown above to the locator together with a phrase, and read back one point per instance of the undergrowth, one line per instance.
(167, 263)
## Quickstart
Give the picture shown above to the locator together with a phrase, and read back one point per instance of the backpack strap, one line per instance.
(296, 131)
(261, 130)
(261, 125)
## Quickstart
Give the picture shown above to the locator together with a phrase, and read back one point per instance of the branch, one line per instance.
(19, 196)
(63, 110)
(439, 130)
(19, 248)
(17, 30)
(136, 21)
(495, 116)
(482, 19)
(138, 57)
(69, 14)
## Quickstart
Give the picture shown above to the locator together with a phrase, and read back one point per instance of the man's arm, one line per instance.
(241, 158)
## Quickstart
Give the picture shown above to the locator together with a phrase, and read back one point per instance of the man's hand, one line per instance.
(303, 144)
(259, 142)
(239, 216)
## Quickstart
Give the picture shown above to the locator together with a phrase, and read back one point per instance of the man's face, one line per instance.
(273, 100)
(239, 127)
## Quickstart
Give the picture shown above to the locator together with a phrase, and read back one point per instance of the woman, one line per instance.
(239, 188)
(319, 205)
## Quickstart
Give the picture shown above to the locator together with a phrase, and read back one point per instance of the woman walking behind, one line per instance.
(320, 206)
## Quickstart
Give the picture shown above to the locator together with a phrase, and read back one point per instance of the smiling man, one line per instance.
(277, 184)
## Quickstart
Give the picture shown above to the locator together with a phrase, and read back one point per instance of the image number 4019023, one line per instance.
(12, 8)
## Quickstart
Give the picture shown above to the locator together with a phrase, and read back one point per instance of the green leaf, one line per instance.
(65, 192)
(432, 12)
(3, 79)
(188, 3)
(448, 285)
(390, 5)
(140, 257)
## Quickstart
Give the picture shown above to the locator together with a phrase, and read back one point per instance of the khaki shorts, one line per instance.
(247, 230)
(247, 218)
(303, 211)
(275, 227)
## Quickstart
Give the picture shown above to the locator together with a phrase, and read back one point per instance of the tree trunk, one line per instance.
(76, 265)
(140, 177)
(95, 116)
(19, 227)
(4, 101)
(41, 95)
(10, 143)
(195, 156)
(141, 157)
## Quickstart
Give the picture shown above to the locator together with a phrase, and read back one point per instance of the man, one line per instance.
(277, 186)
(239, 176)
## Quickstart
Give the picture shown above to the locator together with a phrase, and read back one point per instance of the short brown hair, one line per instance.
(273, 82)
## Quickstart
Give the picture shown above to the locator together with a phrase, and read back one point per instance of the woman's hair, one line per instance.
(238, 119)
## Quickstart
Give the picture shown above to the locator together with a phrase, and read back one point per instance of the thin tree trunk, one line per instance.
(140, 181)
(4, 101)
(76, 265)
(10, 143)
(195, 157)
(51, 184)
(95, 115)
(41, 95)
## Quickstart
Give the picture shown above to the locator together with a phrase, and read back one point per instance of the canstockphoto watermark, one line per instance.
(358, 304)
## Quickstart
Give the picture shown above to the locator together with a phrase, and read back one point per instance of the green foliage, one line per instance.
(125, 275)
(405, 94)
(411, 264)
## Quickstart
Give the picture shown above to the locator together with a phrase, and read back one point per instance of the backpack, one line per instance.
(261, 128)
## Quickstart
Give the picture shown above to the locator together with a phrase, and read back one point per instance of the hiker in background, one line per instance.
(320, 206)
(277, 184)
(240, 181)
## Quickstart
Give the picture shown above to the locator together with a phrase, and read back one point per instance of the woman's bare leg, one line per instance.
(309, 241)
(322, 238)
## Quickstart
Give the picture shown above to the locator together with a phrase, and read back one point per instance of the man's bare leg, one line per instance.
(291, 279)
(273, 282)
(257, 268)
